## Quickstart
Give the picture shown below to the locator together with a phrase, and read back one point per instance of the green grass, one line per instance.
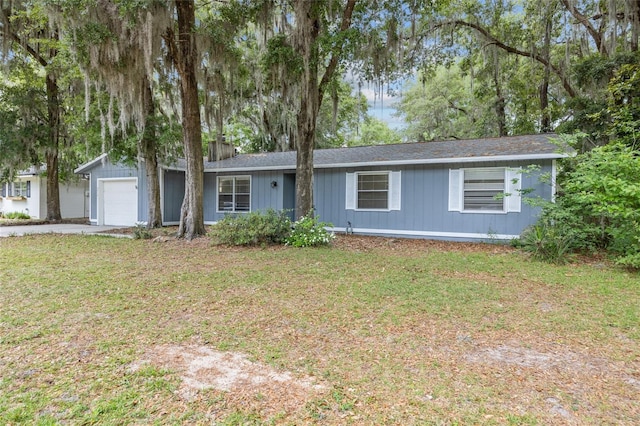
(419, 334)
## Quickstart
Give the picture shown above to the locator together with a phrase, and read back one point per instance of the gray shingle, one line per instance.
(490, 149)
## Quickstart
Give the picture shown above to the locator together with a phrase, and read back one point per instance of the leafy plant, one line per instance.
(599, 208)
(16, 215)
(141, 232)
(308, 231)
(255, 228)
(546, 243)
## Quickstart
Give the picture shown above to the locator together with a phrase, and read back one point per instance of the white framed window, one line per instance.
(485, 190)
(373, 191)
(234, 193)
(21, 188)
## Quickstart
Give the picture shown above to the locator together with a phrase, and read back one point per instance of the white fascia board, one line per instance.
(85, 166)
(524, 157)
(446, 160)
(174, 168)
(249, 169)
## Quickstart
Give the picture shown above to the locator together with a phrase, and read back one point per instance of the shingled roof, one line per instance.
(509, 148)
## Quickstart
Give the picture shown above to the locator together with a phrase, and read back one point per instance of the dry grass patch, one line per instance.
(371, 331)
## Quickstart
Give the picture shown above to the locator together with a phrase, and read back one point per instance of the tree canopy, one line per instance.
(283, 75)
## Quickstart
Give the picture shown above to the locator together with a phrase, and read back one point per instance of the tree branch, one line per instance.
(510, 49)
(333, 62)
(582, 19)
(172, 48)
(455, 107)
(6, 31)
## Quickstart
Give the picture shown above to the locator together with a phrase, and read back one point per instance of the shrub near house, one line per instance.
(599, 209)
(14, 215)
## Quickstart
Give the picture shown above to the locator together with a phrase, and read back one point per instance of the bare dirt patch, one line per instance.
(367, 243)
(531, 358)
(259, 386)
(568, 382)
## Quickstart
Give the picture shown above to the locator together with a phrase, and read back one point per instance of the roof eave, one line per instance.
(524, 157)
(86, 166)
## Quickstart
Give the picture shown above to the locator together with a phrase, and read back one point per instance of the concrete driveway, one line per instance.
(57, 228)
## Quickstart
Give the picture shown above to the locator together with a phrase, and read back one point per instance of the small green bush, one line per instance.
(141, 232)
(545, 243)
(255, 228)
(16, 215)
(308, 231)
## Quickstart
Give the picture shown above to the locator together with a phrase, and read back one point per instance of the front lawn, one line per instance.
(100, 330)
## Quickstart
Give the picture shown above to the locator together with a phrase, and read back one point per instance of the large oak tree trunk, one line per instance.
(304, 165)
(192, 211)
(312, 90)
(307, 27)
(51, 153)
(148, 152)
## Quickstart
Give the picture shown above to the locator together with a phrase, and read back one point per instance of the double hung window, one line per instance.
(21, 188)
(234, 194)
(373, 191)
(484, 190)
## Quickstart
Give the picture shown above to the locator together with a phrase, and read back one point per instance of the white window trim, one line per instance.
(512, 202)
(218, 210)
(393, 193)
(20, 188)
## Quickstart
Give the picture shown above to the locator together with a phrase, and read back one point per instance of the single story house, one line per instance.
(455, 190)
(28, 194)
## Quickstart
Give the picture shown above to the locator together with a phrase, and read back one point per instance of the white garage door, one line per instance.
(120, 202)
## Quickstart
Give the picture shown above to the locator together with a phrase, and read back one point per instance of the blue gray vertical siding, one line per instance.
(424, 203)
(424, 198)
(263, 194)
(210, 197)
(289, 194)
(172, 196)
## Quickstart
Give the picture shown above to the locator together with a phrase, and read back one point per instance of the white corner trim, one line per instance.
(554, 175)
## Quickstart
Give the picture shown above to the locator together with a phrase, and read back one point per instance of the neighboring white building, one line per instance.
(28, 194)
